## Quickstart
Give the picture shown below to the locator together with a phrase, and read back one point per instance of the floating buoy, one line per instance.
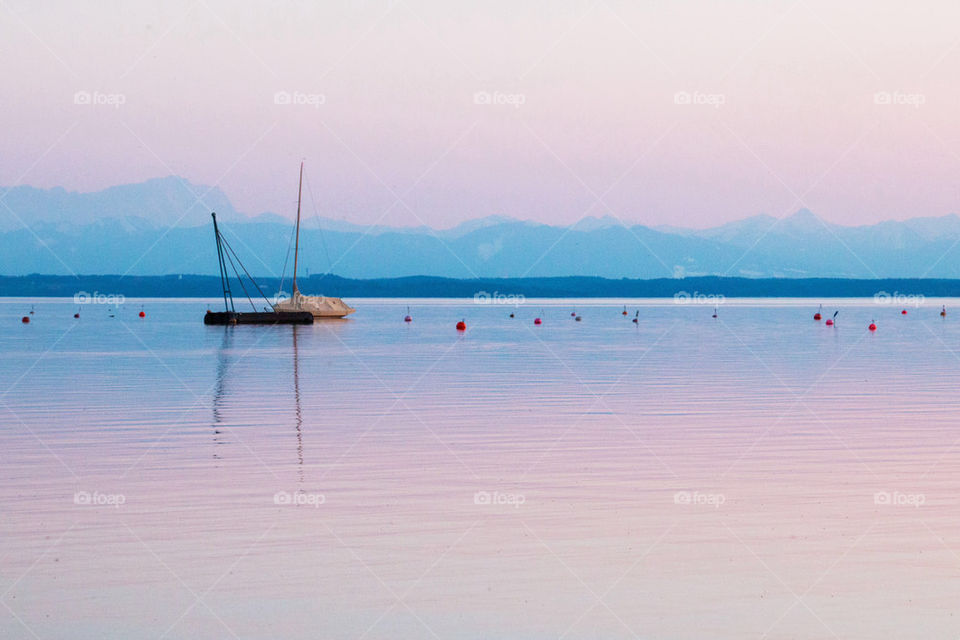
(573, 314)
(461, 326)
(904, 312)
(25, 319)
(714, 312)
(578, 318)
(817, 315)
(943, 312)
(76, 315)
(31, 309)
(829, 322)
(511, 315)
(537, 321)
(624, 311)
(636, 318)
(873, 326)
(408, 318)
(143, 315)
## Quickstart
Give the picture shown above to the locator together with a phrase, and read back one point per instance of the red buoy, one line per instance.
(573, 314)
(904, 312)
(817, 315)
(829, 322)
(25, 319)
(624, 311)
(943, 312)
(537, 321)
(461, 326)
(872, 327)
(143, 315)
(407, 319)
(76, 315)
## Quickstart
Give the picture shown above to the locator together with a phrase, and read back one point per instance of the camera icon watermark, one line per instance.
(898, 499)
(499, 498)
(899, 299)
(714, 299)
(715, 100)
(697, 498)
(299, 98)
(98, 499)
(900, 98)
(114, 299)
(99, 99)
(299, 499)
(482, 297)
(499, 98)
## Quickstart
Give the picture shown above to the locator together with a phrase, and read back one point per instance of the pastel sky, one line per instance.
(432, 111)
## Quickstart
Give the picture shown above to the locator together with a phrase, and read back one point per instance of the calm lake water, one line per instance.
(758, 475)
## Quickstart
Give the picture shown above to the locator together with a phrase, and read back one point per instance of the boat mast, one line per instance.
(296, 247)
(224, 277)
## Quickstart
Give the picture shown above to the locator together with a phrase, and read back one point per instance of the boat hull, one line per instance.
(257, 317)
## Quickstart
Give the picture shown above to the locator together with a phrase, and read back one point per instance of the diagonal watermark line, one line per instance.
(233, 33)
(201, 398)
(643, 43)
(20, 620)
(47, 550)
(763, 36)
(799, 199)
(603, 595)
(598, 198)
(798, 599)
(399, 599)
(563, 36)
(42, 42)
(399, 199)
(198, 399)
(23, 175)
(199, 599)
(600, 398)
(843, 43)
(597, 400)
(157, 41)
(401, 399)
(929, 469)
(777, 577)
(43, 444)
(36, 362)
(798, 399)
(388, 411)
(436, 35)
(199, 199)
(566, 566)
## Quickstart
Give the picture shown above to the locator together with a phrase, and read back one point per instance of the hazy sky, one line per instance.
(691, 113)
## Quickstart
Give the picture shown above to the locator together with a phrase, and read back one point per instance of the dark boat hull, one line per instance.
(268, 317)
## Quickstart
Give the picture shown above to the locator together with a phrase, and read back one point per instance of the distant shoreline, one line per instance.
(196, 286)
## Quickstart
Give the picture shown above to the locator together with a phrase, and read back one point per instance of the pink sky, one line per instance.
(584, 117)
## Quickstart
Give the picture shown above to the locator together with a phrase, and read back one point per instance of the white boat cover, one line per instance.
(319, 306)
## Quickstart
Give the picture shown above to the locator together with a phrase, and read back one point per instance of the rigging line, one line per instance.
(240, 280)
(246, 272)
(286, 260)
(316, 215)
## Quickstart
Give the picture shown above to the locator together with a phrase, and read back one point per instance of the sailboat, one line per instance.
(319, 306)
